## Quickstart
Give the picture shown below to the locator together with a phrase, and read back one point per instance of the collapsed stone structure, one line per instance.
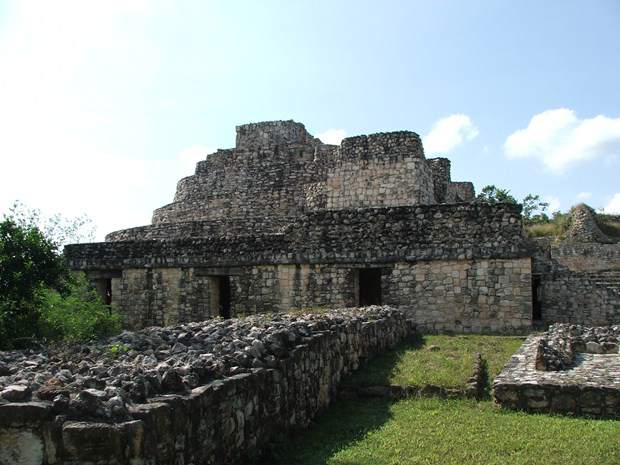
(214, 392)
(570, 369)
(577, 280)
(284, 221)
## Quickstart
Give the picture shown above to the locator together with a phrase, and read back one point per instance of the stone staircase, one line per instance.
(608, 279)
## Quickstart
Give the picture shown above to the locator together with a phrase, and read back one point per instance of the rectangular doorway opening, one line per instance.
(108, 292)
(369, 286)
(103, 286)
(536, 301)
(220, 295)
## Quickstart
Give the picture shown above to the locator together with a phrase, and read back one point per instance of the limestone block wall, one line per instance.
(581, 256)
(424, 232)
(463, 295)
(302, 286)
(248, 182)
(457, 295)
(460, 192)
(223, 227)
(589, 387)
(162, 296)
(440, 167)
(580, 297)
(380, 170)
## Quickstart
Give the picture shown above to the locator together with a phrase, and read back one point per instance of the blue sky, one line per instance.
(105, 105)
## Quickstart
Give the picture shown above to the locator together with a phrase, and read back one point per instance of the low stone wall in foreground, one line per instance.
(210, 392)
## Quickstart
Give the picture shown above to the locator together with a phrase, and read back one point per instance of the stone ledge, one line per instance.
(590, 386)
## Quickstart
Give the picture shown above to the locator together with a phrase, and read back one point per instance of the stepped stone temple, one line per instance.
(284, 221)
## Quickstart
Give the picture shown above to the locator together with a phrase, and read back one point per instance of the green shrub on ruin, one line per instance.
(77, 315)
(40, 300)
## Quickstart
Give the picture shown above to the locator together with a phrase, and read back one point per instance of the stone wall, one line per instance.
(583, 227)
(271, 376)
(577, 282)
(580, 256)
(464, 295)
(580, 297)
(223, 227)
(380, 170)
(265, 175)
(440, 168)
(457, 295)
(425, 232)
(460, 192)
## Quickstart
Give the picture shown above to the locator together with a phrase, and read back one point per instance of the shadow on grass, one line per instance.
(345, 423)
(380, 369)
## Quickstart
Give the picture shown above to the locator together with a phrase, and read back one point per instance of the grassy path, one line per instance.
(436, 431)
(445, 431)
(443, 360)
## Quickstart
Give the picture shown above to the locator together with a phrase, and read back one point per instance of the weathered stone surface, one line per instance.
(583, 227)
(588, 385)
(557, 347)
(224, 410)
(15, 393)
(20, 447)
(289, 222)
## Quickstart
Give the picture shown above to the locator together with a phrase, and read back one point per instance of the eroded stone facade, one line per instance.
(283, 221)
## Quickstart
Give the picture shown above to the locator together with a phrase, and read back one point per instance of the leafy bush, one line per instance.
(555, 227)
(492, 194)
(79, 315)
(29, 262)
(39, 298)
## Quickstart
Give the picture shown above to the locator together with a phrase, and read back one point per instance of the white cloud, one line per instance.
(332, 136)
(448, 133)
(613, 206)
(554, 203)
(188, 158)
(583, 196)
(560, 140)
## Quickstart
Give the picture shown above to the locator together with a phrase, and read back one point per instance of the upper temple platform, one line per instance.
(278, 171)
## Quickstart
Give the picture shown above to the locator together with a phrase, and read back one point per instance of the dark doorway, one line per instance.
(536, 303)
(107, 298)
(224, 304)
(369, 286)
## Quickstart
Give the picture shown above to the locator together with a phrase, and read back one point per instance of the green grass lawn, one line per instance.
(453, 431)
(444, 360)
(445, 431)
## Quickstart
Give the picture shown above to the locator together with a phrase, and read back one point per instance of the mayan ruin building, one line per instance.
(375, 246)
(284, 221)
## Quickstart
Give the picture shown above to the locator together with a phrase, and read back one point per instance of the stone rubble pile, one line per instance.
(557, 348)
(101, 380)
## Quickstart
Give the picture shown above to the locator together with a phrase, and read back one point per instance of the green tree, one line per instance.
(29, 261)
(40, 299)
(492, 194)
(534, 209)
(56, 228)
(77, 315)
